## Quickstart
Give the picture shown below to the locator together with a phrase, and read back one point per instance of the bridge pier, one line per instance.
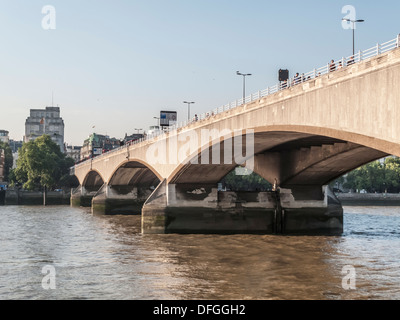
(194, 209)
(82, 197)
(114, 200)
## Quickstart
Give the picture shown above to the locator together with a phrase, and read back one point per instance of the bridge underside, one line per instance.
(299, 164)
(126, 192)
(287, 158)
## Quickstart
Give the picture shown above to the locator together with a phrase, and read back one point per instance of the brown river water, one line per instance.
(106, 257)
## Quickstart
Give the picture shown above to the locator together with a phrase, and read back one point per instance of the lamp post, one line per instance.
(354, 27)
(244, 82)
(158, 120)
(188, 103)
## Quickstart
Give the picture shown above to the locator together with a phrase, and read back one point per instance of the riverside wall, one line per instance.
(23, 197)
(369, 199)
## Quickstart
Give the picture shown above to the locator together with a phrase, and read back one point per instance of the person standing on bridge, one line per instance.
(332, 66)
(297, 78)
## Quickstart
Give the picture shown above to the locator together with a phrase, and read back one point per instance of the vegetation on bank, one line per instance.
(8, 161)
(377, 176)
(41, 164)
(249, 182)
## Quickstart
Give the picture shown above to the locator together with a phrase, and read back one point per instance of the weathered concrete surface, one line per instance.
(82, 197)
(186, 209)
(120, 200)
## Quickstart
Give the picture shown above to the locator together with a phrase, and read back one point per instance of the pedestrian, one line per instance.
(296, 78)
(332, 66)
(351, 61)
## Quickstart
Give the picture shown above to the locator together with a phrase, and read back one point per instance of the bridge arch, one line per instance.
(93, 181)
(289, 155)
(134, 173)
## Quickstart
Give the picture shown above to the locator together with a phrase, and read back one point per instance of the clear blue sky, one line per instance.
(116, 64)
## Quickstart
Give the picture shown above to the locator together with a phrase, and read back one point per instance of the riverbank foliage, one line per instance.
(41, 164)
(250, 181)
(8, 160)
(377, 176)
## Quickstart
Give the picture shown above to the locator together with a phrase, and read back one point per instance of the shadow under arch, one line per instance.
(93, 181)
(130, 185)
(134, 173)
(290, 155)
(73, 182)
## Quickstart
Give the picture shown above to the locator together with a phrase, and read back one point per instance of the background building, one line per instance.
(98, 144)
(73, 152)
(4, 136)
(15, 146)
(2, 160)
(45, 121)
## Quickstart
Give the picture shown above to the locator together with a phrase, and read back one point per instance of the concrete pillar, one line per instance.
(118, 200)
(195, 209)
(81, 197)
(189, 208)
(311, 210)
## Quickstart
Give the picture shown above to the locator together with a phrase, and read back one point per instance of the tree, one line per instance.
(41, 164)
(249, 182)
(8, 161)
(376, 177)
(392, 174)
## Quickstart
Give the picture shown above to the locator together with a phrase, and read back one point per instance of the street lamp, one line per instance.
(244, 83)
(158, 120)
(354, 27)
(188, 103)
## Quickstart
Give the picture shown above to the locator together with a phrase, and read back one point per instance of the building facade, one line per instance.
(45, 121)
(4, 136)
(98, 144)
(2, 161)
(73, 152)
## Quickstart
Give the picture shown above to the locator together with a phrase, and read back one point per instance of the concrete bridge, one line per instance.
(299, 138)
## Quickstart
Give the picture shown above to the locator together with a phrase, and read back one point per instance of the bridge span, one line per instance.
(299, 138)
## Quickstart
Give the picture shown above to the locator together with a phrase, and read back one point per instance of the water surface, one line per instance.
(106, 257)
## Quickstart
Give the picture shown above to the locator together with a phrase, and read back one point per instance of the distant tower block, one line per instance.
(45, 121)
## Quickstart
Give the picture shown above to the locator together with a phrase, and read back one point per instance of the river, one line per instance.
(106, 257)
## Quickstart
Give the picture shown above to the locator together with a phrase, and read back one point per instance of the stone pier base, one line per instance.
(241, 213)
(116, 200)
(80, 197)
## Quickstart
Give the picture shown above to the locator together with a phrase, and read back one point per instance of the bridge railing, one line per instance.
(301, 78)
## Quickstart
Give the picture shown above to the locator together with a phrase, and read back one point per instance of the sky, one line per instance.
(112, 66)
